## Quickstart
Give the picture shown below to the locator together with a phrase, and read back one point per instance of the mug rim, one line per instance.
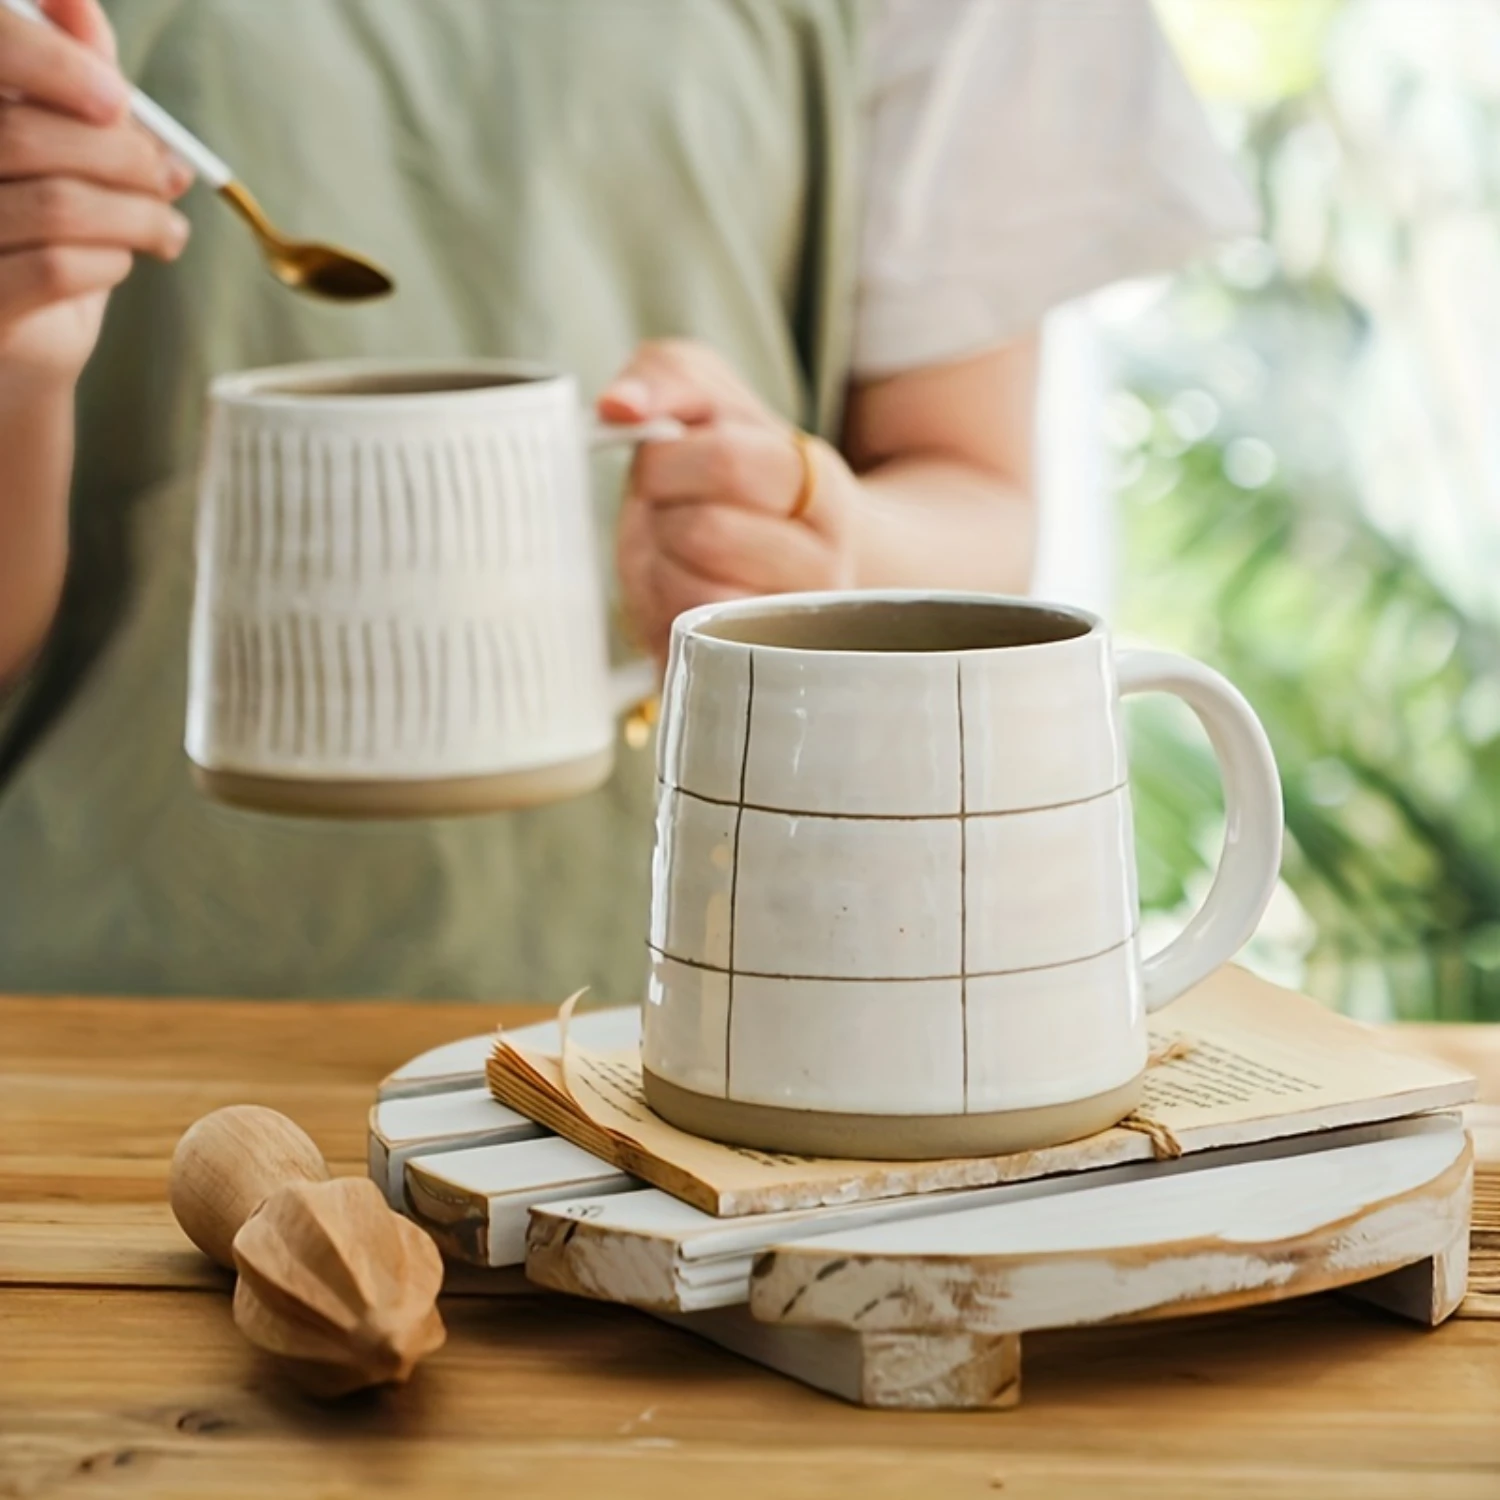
(691, 623)
(257, 387)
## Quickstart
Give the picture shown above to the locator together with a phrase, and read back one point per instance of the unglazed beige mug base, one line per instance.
(813, 1132)
(446, 797)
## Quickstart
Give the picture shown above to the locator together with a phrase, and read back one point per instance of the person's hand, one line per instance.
(82, 189)
(708, 516)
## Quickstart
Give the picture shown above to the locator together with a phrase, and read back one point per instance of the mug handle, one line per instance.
(633, 685)
(1248, 867)
(629, 434)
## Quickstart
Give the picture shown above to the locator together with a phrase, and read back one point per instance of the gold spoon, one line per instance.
(304, 265)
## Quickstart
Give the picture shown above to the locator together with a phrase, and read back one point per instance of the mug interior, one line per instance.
(898, 625)
(395, 383)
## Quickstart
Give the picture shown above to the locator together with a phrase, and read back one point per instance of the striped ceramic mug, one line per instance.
(399, 604)
(894, 905)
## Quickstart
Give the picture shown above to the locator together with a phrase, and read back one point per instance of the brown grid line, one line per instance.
(963, 880)
(662, 785)
(734, 871)
(732, 973)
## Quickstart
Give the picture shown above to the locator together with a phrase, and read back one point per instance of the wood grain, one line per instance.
(1476, 1048)
(537, 1395)
(534, 1393)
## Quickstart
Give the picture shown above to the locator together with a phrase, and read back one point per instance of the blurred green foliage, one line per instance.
(1380, 698)
(1250, 541)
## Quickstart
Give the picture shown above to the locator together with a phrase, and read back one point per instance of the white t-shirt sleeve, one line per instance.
(1022, 153)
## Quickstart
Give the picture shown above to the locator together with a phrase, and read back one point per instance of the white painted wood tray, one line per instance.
(922, 1302)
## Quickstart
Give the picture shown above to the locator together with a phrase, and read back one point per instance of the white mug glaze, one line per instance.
(897, 882)
(401, 586)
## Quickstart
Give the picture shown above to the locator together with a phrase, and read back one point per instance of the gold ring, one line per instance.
(808, 490)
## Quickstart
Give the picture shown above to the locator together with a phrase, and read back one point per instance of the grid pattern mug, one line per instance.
(894, 905)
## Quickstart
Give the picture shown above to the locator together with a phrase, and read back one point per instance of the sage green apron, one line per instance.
(555, 179)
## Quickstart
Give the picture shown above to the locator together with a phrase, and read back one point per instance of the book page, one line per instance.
(1242, 1061)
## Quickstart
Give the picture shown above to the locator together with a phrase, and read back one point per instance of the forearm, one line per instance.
(36, 460)
(940, 523)
(82, 191)
(944, 497)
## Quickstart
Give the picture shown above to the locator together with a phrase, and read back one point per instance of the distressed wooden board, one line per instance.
(651, 1250)
(1227, 1237)
(906, 1372)
(428, 1124)
(475, 1202)
(454, 1065)
(1428, 1292)
(692, 1268)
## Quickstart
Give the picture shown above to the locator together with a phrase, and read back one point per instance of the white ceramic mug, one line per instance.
(894, 908)
(399, 608)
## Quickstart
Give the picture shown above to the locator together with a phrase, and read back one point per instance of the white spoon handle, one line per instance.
(177, 138)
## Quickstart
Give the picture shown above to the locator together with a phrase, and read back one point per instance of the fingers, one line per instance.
(669, 588)
(656, 587)
(82, 187)
(677, 378)
(32, 279)
(757, 468)
(47, 66)
(709, 515)
(726, 545)
(84, 19)
(41, 143)
(63, 212)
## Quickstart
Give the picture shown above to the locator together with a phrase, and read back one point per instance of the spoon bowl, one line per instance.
(305, 265)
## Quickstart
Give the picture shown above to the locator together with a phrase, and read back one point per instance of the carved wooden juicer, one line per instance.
(332, 1282)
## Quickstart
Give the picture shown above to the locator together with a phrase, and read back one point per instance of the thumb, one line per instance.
(657, 383)
(626, 398)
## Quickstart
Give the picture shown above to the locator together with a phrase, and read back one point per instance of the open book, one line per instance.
(1237, 1062)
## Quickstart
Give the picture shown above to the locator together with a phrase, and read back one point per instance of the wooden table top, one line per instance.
(121, 1373)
